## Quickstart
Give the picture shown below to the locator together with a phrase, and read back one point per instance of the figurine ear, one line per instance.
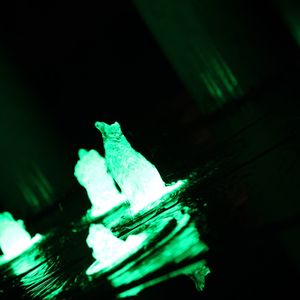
(82, 152)
(116, 125)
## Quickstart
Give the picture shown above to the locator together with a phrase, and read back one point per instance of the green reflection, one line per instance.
(197, 271)
(43, 282)
(181, 244)
(35, 188)
(109, 250)
(30, 260)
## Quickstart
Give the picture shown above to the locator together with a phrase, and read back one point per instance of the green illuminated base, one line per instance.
(33, 241)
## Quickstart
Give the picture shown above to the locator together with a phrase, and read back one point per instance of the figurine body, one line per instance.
(138, 178)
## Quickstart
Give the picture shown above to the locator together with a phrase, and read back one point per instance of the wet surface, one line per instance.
(242, 197)
(55, 268)
(65, 66)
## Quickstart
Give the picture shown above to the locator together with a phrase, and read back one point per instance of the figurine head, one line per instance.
(112, 131)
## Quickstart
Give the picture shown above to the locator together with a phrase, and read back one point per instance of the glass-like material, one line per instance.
(14, 238)
(91, 173)
(109, 250)
(157, 230)
(138, 178)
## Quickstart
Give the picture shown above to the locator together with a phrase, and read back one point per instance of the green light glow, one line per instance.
(197, 271)
(91, 173)
(290, 11)
(192, 48)
(14, 239)
(35, 188)
(156, 232)
(109, 250)
(138, 178)
(181, 244)
(51, 286)
(27, 262)
(218, 77)
(43, 280)
(40, 274)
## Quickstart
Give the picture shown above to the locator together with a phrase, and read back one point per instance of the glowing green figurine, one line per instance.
(138, 178)
(14, 238)
(91, 173)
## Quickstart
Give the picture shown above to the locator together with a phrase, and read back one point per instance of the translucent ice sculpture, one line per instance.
(109, 250)
(91, 173)
(138, 178)
(14, 238)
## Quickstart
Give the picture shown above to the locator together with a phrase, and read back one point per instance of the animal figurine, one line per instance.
(91, 173)
(13, 236)
(137, 178)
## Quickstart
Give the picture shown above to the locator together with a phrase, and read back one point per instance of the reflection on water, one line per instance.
(180, 245)
(109, 250)
(32, 273)
(37, 273)
(197, 271)
(28, 261)
(135, 244)
(44, 282)
(172, 246)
